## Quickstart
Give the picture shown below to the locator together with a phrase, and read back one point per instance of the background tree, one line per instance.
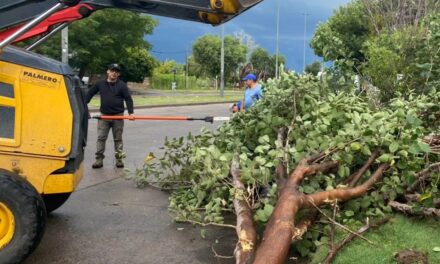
(405, 60)
(313, 68)
(206, 52)
(397, 14)
(195, 69)
(264, 64)
(137, 65)
(107, 36)
(168, 67)
(343, 35)
(393, 45)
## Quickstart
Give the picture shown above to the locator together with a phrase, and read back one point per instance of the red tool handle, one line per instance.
(176, 118)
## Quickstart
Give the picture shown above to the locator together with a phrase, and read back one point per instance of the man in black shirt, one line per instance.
(113, 93)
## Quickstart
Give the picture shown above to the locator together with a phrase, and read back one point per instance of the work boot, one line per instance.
(119, 163)
(98, 164)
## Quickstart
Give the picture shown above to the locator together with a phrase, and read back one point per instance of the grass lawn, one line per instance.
(206, 91)
(398, 234)
(141, 100)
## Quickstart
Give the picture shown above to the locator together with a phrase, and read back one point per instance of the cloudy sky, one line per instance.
(172, 37)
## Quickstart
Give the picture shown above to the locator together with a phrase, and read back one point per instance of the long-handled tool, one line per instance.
(209, 119)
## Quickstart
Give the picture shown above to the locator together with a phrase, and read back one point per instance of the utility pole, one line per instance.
(222, 64)
(305, 36)
(65, 45)
(278, 40)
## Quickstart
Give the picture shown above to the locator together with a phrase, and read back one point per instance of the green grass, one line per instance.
(207, 91)
(174, 100)
(401, 233)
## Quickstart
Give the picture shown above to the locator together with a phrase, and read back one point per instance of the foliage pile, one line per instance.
(344, 126)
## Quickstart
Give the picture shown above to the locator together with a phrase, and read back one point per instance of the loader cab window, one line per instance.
(6, 90)
(7, 111)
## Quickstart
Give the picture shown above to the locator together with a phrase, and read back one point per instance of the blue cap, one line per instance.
(250, 76)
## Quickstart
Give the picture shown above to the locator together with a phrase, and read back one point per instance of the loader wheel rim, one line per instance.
(7, 225)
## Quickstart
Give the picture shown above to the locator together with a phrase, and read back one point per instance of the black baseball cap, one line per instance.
(114, 66)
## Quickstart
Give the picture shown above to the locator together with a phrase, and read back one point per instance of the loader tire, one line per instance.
(23, 218)
(54, 201)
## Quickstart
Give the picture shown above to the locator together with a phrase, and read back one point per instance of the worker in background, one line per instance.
(252, 94)
(113, 93)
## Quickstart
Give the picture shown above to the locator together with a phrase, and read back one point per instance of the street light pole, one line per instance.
(278, 36)
(222, 64)
(305, 36)
(186, 72)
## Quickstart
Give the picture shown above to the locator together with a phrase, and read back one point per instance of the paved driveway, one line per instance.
(108, 220)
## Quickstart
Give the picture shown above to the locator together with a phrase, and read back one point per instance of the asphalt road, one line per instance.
(108, 220)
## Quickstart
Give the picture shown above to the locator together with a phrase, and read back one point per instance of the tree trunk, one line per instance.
(246, 233)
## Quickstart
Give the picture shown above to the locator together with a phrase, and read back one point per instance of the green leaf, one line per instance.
(424, 147)
(356, 146)
(223, 158)
(366, 201)
(341, 171)
(366, 150)
(436, 249)
(308, 189)
(403, 153)
(414, 149)
(269, 165)
(260, 160)
(203, 233)
(394, 147)
(425, 196)
(384, 158)
(264, 139)
(349, 213)
(268, 210)
(259, 149)
(243, 157)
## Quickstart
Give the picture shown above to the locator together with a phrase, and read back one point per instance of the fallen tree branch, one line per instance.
(216, 255)
(343, 227)
(416, 198)
(333, 225)
(355, 177)
(332, 254)
(246, 233)
(303, 226)
(422, 177)
(344, 194)
(206, 224)
(281, 231)
(280, 170)
(406, 209)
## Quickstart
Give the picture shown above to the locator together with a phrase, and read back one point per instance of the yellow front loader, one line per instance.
(43, 117)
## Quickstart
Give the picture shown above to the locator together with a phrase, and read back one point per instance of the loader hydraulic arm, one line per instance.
(46, 15)
(64, 17)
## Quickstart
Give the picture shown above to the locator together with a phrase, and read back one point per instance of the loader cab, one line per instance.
(42, 113)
